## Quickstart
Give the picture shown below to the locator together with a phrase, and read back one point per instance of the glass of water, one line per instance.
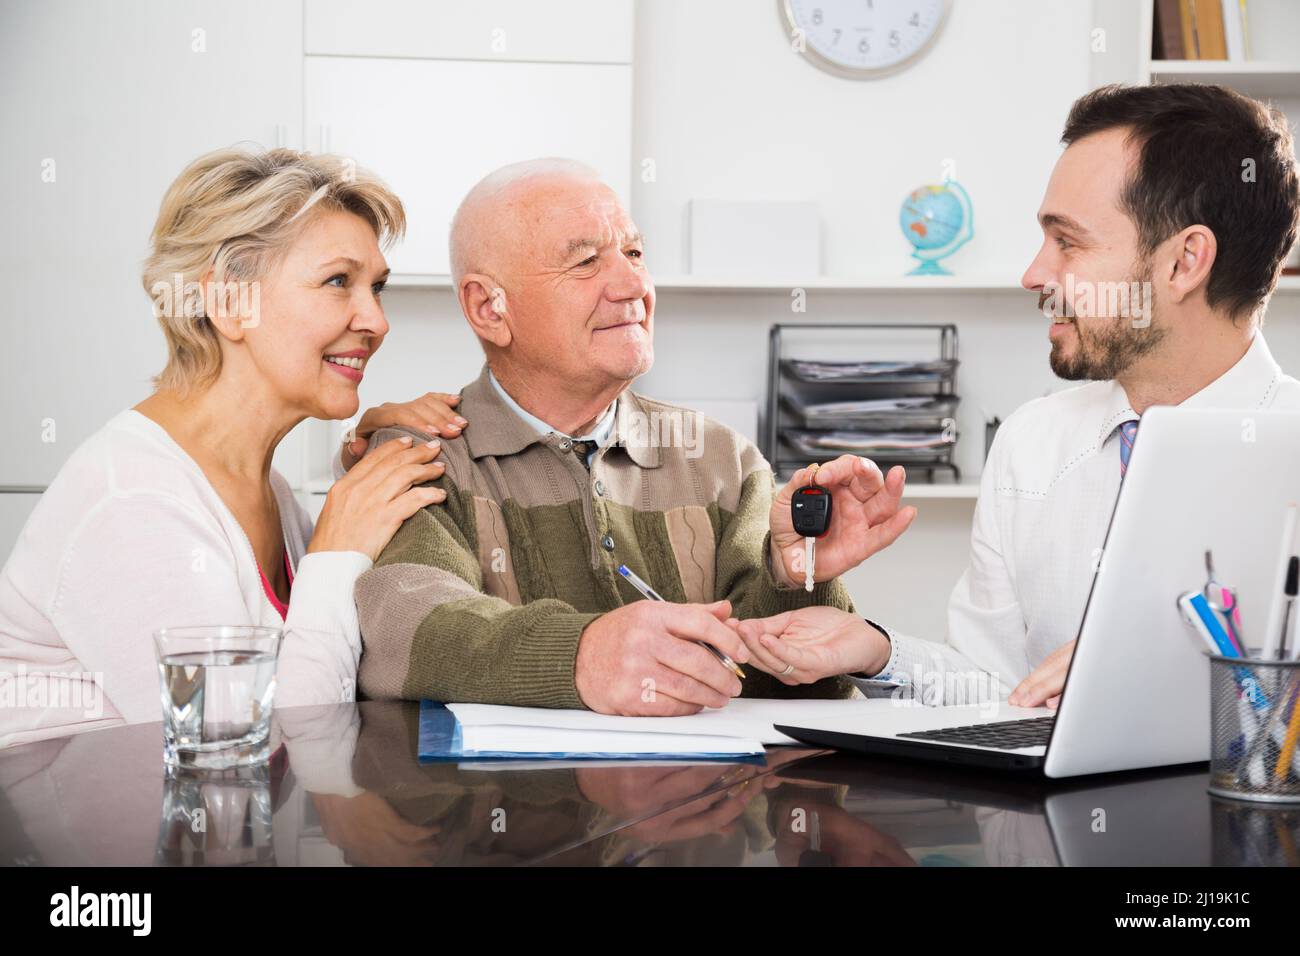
(217, 686)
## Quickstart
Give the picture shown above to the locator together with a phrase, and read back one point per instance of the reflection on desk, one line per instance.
(345, 787)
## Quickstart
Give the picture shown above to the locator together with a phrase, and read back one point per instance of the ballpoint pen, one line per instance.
(1288, 606)
(649, 592)
(1277, 604)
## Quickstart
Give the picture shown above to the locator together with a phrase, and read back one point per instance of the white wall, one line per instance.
(117, 96)
(727, 111)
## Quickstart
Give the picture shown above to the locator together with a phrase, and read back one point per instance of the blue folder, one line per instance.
(440, 742)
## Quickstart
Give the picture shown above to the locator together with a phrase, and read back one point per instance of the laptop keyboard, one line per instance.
(1003, 735)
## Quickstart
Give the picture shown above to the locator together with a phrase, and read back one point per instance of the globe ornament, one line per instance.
(937, 221)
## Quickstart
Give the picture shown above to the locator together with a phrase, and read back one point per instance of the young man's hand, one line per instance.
(807, 645)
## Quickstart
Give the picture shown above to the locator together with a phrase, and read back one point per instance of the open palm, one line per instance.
(804, 646)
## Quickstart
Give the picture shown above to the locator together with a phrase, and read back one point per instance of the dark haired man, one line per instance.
(1165, 224)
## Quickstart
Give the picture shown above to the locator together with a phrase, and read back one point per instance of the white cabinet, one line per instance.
(433, 128)
(566, 31)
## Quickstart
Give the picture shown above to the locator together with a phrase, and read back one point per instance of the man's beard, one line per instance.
(1108, 347)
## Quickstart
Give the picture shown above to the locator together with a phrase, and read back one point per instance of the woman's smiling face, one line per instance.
(321, 318)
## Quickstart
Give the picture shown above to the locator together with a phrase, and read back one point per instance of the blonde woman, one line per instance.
(266, 272)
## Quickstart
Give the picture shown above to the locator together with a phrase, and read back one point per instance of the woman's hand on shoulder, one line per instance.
(365, 507)
(433, 413)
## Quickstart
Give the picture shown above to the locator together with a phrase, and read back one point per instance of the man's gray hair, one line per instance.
(493, 183)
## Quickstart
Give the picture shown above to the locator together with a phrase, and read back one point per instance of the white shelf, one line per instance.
(953, 491)
(689, 283)
(1253, 77)
(888, 284)
(411, 280)
(318, 486)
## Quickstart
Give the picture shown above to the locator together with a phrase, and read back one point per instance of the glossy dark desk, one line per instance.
(346, 787)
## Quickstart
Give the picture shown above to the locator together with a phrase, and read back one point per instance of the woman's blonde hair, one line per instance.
(234, 212)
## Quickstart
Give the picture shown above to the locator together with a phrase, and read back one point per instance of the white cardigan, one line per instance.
(129, 538)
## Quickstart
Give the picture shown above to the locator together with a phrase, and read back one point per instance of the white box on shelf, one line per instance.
(755, 239)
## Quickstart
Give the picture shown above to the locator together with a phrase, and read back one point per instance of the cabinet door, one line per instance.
(433, 128)
(567, 31)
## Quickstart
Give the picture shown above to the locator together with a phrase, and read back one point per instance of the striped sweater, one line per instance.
(484, 599)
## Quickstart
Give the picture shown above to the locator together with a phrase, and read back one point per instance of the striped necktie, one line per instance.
(1127, 432)
(584, 448)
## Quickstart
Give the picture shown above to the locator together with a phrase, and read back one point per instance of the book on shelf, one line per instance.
(1200, 30)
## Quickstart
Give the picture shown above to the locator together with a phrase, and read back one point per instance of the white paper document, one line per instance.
(514, 738)
(742, 720)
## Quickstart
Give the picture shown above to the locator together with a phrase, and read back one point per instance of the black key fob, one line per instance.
(810, 511)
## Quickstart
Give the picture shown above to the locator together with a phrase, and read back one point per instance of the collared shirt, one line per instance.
(1046, 496)
(600, 432)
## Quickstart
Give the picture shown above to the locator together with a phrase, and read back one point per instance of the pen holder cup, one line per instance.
(1254, 729)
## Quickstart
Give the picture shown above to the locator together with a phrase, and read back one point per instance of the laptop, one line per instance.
(1137, 693)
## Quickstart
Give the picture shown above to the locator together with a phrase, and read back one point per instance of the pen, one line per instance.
(1277, 586)
(1289, 742)
(1288, 605)
(649, 592)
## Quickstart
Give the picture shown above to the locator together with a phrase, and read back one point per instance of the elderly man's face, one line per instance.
(585, 302)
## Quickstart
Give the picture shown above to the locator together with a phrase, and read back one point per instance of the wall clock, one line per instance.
(863, 39)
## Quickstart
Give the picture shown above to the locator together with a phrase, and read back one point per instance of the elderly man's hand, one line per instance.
(866, 517)
(644, 659)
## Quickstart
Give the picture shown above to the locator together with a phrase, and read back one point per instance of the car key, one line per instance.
(810, 513)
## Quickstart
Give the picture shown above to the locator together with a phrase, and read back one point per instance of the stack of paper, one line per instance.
(488, 731)
(933, 370)
(813, 444)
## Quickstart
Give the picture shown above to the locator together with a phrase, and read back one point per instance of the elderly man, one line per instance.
(511, 592)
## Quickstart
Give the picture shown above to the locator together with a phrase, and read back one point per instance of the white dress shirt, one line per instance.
(600, 432)
(1046, 497)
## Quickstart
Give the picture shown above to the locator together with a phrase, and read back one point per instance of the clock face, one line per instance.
(864, 39)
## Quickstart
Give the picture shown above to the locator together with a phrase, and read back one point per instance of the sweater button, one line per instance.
(565, 445)
(607, 543)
